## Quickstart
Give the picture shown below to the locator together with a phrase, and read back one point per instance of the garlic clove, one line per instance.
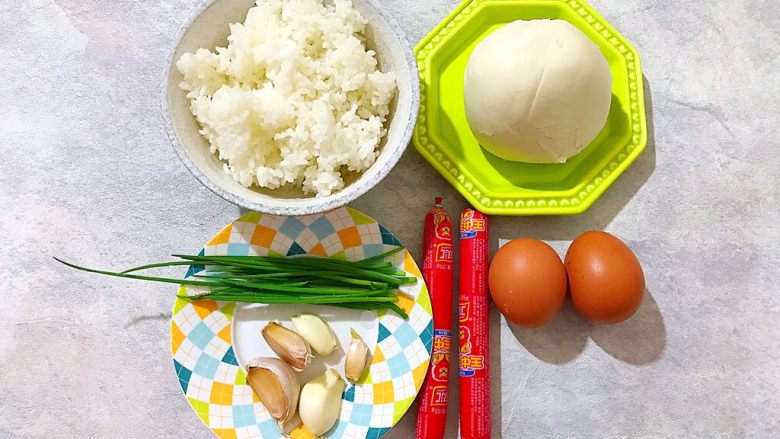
(320, 404)
(316, 331)
(288, 345)
(277, 386)
(358, 358)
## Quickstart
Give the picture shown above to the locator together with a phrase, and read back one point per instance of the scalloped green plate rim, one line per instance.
(499, 187)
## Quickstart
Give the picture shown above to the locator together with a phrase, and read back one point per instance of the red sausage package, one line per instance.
(438, 274)
(473, 329)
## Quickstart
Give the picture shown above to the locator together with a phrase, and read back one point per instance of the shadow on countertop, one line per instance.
(558, 342)
(496, 399)
(639, 340)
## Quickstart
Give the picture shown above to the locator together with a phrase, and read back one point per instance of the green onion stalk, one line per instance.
(367, 284)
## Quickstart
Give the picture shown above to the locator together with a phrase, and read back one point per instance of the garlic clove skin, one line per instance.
(277, 386)
(288, 345)
(316, 331)
(320, 402)
(358, 358)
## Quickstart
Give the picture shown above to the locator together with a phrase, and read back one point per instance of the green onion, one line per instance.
(368, 284)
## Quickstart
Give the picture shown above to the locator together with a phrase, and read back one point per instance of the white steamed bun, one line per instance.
(537, 91)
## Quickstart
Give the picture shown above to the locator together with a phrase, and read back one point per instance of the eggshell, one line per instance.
(606, 280)
(527, 282)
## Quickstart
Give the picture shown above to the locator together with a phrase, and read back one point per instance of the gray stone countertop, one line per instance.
(87, 173)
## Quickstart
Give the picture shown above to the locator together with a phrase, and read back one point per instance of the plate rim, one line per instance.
(227, 310)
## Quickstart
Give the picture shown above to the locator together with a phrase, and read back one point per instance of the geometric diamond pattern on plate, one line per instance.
(205, 362)
(230, 357)
(322, 228)
(295, 249)
(349, 394)
(292, 227)
(383, 332)
(376, 433)
(388, 238)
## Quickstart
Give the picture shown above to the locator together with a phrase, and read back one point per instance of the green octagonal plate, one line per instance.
(501, 187)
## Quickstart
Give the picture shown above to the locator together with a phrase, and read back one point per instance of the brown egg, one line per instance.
(527, 282)
(605, 279)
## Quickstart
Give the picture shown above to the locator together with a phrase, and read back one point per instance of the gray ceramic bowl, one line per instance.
(207, 26)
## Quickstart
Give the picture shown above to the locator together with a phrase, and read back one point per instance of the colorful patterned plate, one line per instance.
(210, 341)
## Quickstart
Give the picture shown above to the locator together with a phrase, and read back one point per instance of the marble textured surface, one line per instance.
(87, 173)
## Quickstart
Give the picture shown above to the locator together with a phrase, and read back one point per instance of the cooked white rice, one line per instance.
(295, 98)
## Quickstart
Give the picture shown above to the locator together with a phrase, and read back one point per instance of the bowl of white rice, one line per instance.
(290, 107)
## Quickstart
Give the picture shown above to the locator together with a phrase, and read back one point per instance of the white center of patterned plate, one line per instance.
(250, 319)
